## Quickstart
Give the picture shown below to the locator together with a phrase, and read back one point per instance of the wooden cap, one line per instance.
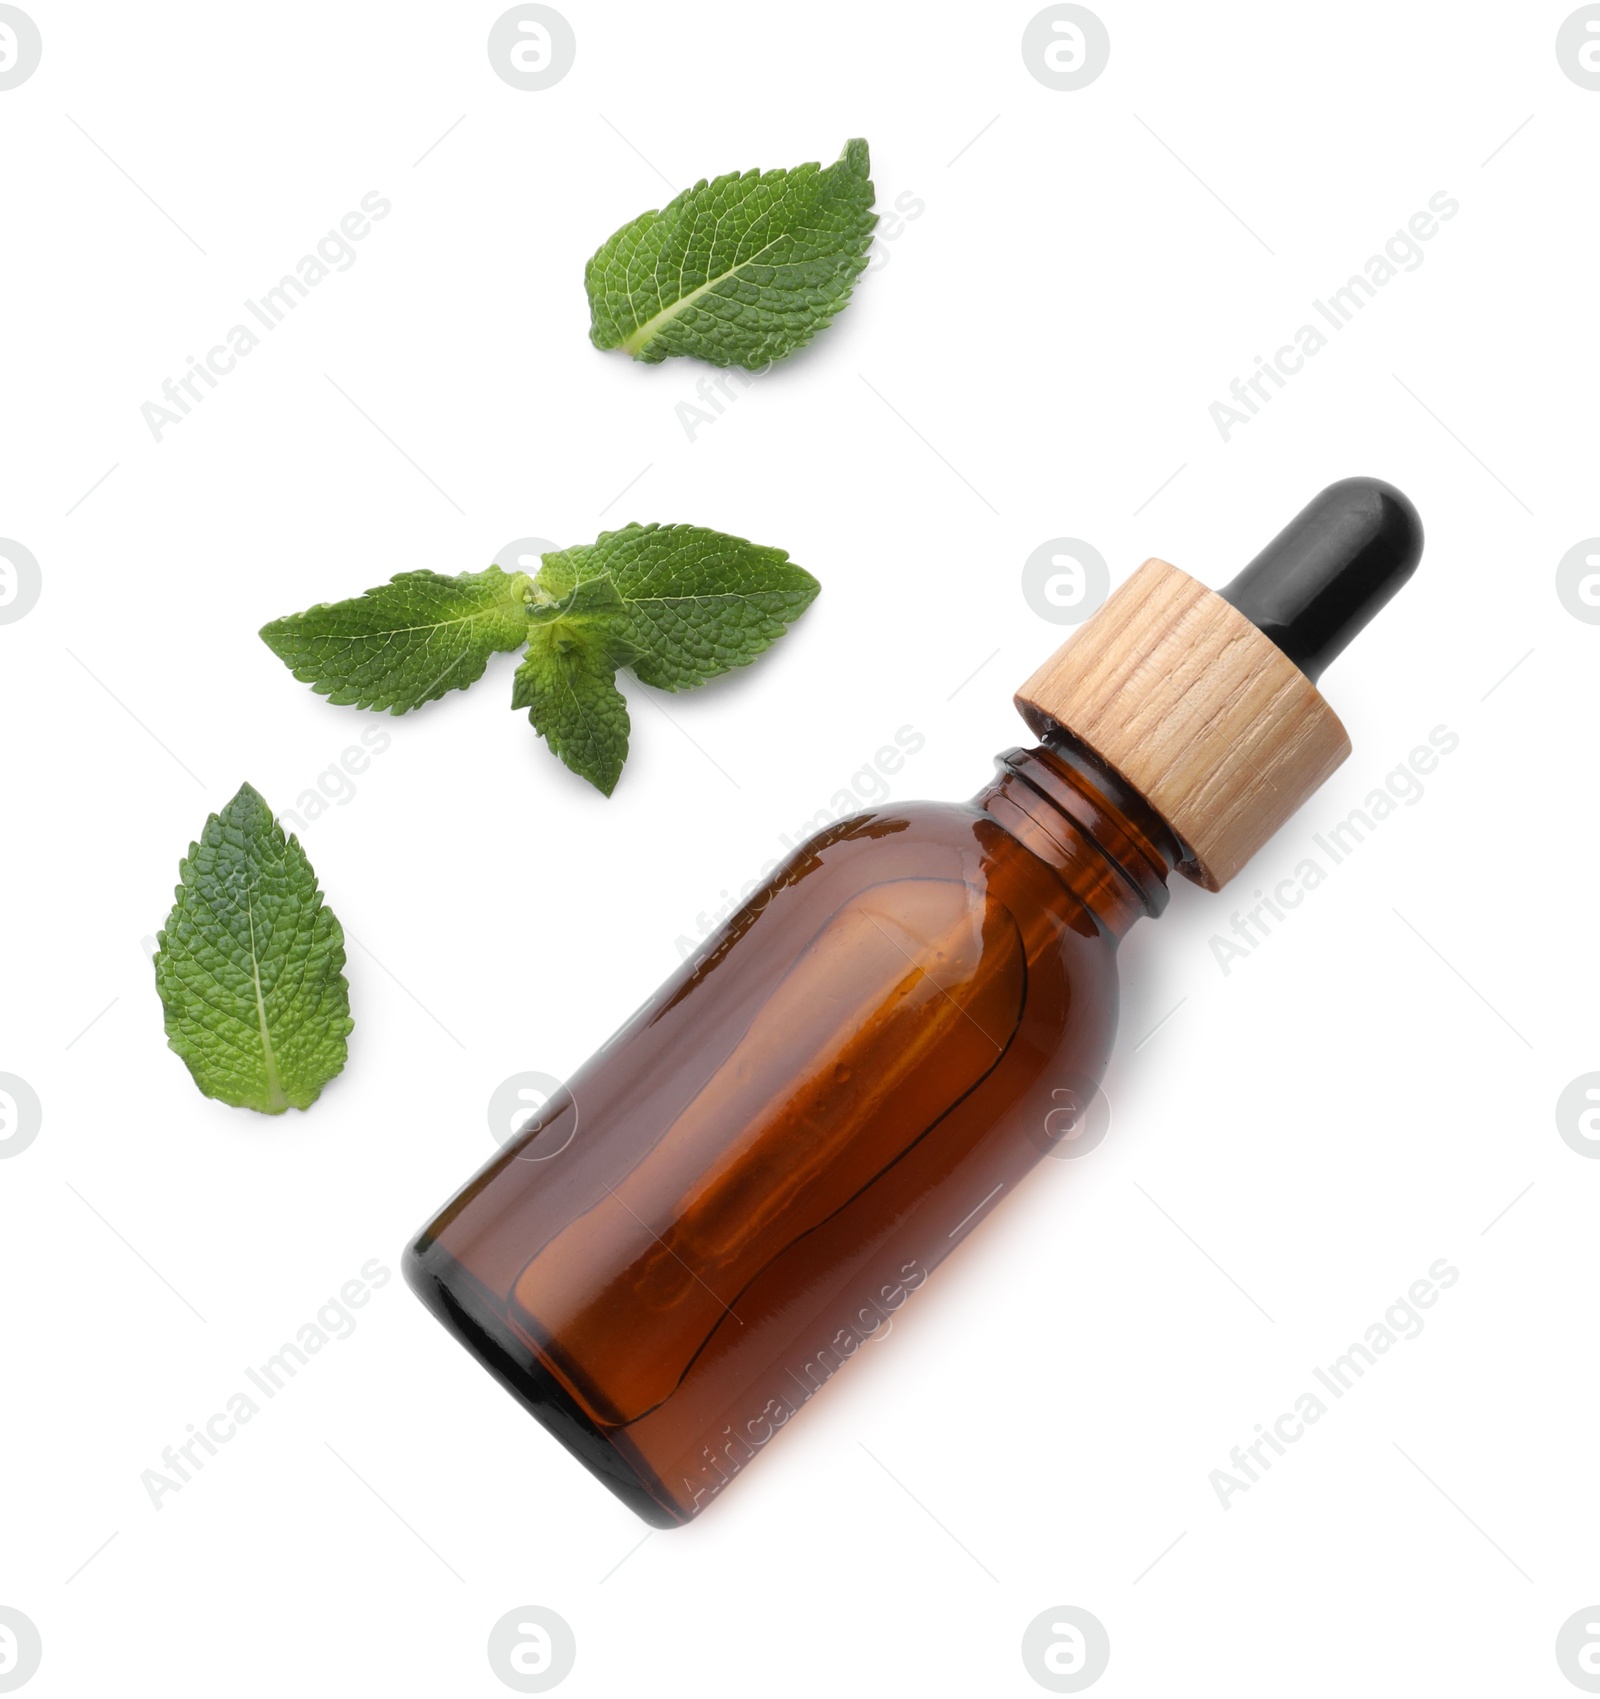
(1201, 713)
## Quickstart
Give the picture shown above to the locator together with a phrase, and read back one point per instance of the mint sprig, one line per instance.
(250, 966)
(739, 271)
(674, 604)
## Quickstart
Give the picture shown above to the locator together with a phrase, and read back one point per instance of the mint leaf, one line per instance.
(405, 642)
(739, 271)
(250, 966)
(699, 603)
(567, 680)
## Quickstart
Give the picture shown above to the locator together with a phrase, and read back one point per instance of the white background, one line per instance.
(1359, 1097)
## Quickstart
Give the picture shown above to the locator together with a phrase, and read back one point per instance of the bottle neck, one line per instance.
(1108, 845)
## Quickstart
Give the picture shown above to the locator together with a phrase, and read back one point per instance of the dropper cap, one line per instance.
(1329, 570)
(1205, 702)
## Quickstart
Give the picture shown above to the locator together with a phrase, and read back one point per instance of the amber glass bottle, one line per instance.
(749, 1179)
(764, 1164)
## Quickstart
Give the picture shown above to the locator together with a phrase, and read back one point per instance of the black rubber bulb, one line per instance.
(1330, 569)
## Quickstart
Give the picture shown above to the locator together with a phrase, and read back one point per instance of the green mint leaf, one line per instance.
(250, 966)
(405, 642)
(567, 679)
(699, 603)
(739, 271)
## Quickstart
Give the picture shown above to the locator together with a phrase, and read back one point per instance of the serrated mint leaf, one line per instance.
(405, 642)
(677, 604)
(567, 679)
(699, 603)
(250, 966)
(739, 271)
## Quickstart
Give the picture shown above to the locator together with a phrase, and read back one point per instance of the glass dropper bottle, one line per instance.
(747, 1181)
